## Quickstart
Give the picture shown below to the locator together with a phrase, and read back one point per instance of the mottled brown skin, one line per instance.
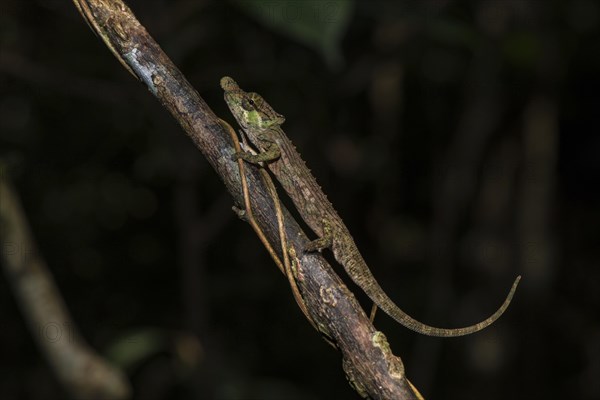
(262, 126)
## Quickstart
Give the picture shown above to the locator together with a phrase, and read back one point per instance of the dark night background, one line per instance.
(459, 140)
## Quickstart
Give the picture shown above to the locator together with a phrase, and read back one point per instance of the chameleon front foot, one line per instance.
(271, 154)
(237, 155)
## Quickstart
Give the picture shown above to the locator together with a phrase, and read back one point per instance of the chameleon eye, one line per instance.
(248, 104)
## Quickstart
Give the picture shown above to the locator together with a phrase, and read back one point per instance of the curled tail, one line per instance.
(362, 276)
(384, 302)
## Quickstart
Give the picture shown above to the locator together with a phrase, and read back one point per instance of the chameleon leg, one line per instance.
(323, 242)
(272, 153)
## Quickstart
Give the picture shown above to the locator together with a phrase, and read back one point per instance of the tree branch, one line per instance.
(83, 373)
(369, 364)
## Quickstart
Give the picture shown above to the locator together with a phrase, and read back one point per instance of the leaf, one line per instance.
(319, 24)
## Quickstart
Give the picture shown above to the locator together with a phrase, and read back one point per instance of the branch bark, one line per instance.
(368, 362)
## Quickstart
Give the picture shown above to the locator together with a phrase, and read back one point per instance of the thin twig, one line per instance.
(285, 268)
(249, 215)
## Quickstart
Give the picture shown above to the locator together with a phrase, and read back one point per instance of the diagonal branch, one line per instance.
(369, 364)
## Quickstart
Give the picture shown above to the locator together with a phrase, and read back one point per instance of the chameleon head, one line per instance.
(249, 109)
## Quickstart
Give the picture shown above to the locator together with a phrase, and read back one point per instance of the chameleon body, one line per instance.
(262, 126)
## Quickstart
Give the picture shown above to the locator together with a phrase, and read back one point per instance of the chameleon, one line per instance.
(262, 126)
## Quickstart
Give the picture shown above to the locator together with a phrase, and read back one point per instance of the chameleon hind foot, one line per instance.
(324, 242)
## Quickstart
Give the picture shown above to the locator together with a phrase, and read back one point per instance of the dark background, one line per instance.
(457, 139)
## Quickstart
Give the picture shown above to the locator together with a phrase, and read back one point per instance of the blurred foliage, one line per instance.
(318, 24)
(457, 138)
